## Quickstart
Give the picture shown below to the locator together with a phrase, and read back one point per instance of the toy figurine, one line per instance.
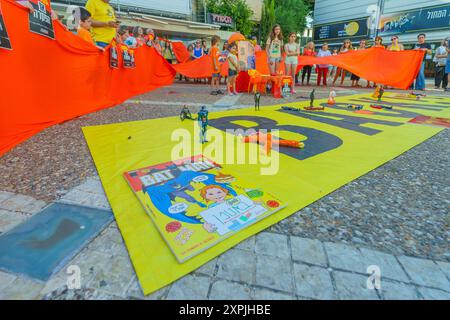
(266, 141)
(286, 108)
(331, 98)
(202, 119)
(257, 98)
(380, 106)
(185, 114)
(378, 93)
(311, 98)
(311, 102)
(355, 106)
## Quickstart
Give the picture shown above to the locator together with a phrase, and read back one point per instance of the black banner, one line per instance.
(113, 57)
(128, 58)
(5, 43)
(41, 19)
(419, 20)
(351, 29)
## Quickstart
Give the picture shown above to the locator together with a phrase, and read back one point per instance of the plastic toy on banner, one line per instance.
(311, 102)
(331, 97)
(202, 119)
(257, 100)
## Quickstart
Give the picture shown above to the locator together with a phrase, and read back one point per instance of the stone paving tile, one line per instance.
(83, 198)
(6, 279)
(274, 273)
(5, 195)
(445, 267)
(272, 244)
(9, 220)
(313, 282)
(90, 262)
(308, 250)
(398, 291)
(91, 185)
(34, 207)
(353, 287)
(425, 272)
(16, 203)
(345, 257)
(208, 268)
(388, 264)
(56, 282)
(190, 287)
(115, 277)
(21, 289)
(135, 292)
(434, 294)
(237, 265)
(247, 244)
(226, 290)
(266, 294)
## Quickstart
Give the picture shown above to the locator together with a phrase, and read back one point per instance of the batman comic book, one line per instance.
(196, 203)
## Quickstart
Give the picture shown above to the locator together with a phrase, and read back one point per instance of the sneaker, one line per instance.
(219, 91)
(213, 93)
(293, 91)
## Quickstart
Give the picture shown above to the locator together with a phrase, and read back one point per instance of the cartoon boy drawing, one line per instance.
(215, 194)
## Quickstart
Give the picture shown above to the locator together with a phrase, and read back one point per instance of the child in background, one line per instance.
(84, 29)
(138, 33)
(332, 69)
(233, 69)
(215, 54)
(223, 58)
(346, 47)
(131, 41)
(123, 34)
(292, 50)
(308, 52)
(274, 46)
(323, 68)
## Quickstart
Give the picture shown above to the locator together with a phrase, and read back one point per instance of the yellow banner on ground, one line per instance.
(341, 144)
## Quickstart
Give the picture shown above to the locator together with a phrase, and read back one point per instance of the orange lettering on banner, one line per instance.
(45, 82)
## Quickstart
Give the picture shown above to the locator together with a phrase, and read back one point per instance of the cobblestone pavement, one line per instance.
(395, 217)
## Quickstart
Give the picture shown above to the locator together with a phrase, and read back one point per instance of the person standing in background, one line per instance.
(447, 66)
(440, 60)
(395, 45)
(421, 45)
(104, 23)
(205, 47)
(308, 51)
(355, 79)
(323, 68)
(292, 50)
(346, 47)
(274, 48)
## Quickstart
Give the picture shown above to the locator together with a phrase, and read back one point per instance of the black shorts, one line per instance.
(232, 73)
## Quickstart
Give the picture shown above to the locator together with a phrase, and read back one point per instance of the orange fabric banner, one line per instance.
(397, 69)
(45, 82)
(180, 51)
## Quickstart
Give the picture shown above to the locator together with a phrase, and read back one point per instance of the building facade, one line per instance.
(182, 20)
(336, 20)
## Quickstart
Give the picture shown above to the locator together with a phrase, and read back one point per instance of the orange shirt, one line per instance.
(85, 35)
(215, 56)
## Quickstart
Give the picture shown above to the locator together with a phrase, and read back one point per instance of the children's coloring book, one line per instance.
(196, 203)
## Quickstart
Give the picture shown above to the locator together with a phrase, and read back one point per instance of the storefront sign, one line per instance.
(220, 20)
(353, 29)
(419, 20)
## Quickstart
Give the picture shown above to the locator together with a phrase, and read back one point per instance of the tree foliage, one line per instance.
(236, 9)
(289, 14)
